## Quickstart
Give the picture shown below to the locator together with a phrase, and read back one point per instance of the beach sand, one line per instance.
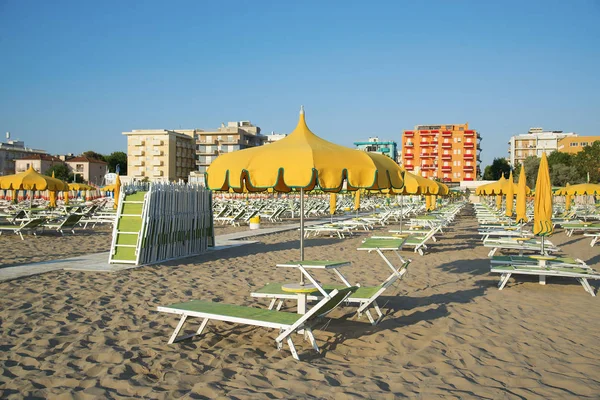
(448, 333)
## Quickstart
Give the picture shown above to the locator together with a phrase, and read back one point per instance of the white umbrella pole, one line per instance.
(301, 231)
(401, 211)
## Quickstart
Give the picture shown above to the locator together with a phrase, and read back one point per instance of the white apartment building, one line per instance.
(533, 143)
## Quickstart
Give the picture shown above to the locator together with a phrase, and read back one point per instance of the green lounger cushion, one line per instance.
(361, 293)
(564, 260)
(235, 311)
(509, 268)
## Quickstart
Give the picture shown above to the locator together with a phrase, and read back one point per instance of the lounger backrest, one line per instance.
(33, 223)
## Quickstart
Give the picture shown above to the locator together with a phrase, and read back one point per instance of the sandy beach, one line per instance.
(448, 331)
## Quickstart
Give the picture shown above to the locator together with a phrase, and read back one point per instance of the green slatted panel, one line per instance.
(129, 225)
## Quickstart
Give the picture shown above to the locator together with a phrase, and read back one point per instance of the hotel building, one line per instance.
(160, 154)
(574, 144)
(450, 153)
(12, 150)
(40, 162)
(373, 145)
(91, 170)
(533, 143)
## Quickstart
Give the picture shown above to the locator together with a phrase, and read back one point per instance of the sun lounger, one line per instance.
(69, 223)
(287, 323)
(527, 244)
(533, 261)
(581, 274)
(595, 237)
(363, 297)
(586, 227)
(30, 226)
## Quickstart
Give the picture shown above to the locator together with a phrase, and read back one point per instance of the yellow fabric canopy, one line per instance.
(80, 186)
(542, 214)
(510, 193)
(31, 180)
(302, 160)
(108, 188)
(580, 189)
(522, 197)
(416, 184)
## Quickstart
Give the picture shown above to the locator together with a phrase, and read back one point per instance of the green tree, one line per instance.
(558, 157)
(561, 174)
(495, 171)
(94, 155)
(587, 161)
(117, 158)
(531, 164)
(61, 171)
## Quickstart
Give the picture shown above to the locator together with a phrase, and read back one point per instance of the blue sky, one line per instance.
(75, 74)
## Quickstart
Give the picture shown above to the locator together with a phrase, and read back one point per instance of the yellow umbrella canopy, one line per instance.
(580, 189)
(31, 180)
(568, 199)
(542, 217)
(522, 197)
(80, 186)
(416, 184)
(443, 189)
(510, 193)
(117, 191)
(332, 203)
(302, 160)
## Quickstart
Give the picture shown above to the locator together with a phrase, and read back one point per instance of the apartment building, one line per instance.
(273, 137)
(225, 139)
(574, 144)
(450, 153)
(12, 150)
(90, 170)
(374, 145)
(160, 154)
(533, 143)
(40, 162)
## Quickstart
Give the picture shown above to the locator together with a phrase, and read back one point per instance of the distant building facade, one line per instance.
(533, 143)
(160, 154)
(90, 169)
(374, 145)
(574, 144)
(273, 137)
(450, 153)
(226, 139)
(40, 162)
(12, 150)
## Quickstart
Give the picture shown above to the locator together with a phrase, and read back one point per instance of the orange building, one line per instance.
(450, 153)
(574, 144)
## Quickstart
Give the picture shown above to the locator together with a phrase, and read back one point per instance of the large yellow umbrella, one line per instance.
(117, 191)
(542, 215)
(510, 194)
(332, 203)
(522, 197)
(580, 189)
(302, 161)
(568, 199)
(31, 180)
(52, 200)
(491, 188)
(416, 184)
(80, 186)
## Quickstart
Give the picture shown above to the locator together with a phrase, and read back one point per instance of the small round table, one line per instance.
(542, 259)
(302, 290)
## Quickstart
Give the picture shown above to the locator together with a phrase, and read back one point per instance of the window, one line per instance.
(459, 151)
(584, 143)
(461, 128)
(455, 140)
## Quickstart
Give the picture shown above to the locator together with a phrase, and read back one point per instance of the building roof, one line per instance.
(85, 159)
(43, 157)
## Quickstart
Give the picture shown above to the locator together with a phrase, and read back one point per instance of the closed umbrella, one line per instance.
(302, 161)
(568, 200)
(542, 215)
(510, 194)
(52, 199)
(522, 198)
(117, 191)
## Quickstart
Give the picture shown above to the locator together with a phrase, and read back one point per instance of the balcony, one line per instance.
(446, 145)
(409, 133)
(435, 131)
(157, 153)
(469, 168)
(409, 155)
(157, 173)
(446, 134)
(138, 162)
(157, 142)
(469, 145)
(137, 142)
(427, 133)
(157, 163)
(428, 167)
(409, 144)
(447, 168)
(409, 167)
(467, 179)
(428, 155)
(138, 153)
(469, 133)
(428, 144)
(446, 157)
